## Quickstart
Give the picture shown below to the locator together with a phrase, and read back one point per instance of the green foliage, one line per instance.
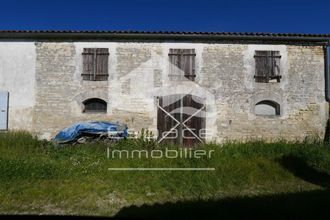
(39, 177)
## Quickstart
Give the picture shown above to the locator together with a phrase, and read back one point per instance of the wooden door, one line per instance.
(180, 119)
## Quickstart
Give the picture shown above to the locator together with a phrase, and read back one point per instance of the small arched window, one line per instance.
(95, 105)
(267, 108)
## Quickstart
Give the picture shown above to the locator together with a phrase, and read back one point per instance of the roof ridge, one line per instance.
(169, 32)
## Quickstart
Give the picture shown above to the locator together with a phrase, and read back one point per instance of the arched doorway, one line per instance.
(181, 119)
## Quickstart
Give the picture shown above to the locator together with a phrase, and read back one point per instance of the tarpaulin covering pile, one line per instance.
(74, 132)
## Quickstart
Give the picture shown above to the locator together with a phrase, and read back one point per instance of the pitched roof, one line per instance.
(161, 35)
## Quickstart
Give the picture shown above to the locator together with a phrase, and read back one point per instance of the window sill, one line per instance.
(267, 82)
(92, 80)
(98, 77)
(89, 113)
(275, 79)
(268, 116)
(94, 113)
(93, 83)
(270, 85)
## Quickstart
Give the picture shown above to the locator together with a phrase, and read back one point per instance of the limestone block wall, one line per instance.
(47, 90)
(60, 89)
(304, 111)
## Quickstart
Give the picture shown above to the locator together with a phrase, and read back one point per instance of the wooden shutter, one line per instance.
(102, 57)
(95, 64)
(175, 71)
(88, 63)
(275, 63)
(267, 66)
(183, 64)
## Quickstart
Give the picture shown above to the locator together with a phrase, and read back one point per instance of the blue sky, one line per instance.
(300, 16)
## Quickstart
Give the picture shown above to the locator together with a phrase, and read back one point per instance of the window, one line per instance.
(95, 106)
(267, 66)
(267, 108)
(182, 64)
(95, 64)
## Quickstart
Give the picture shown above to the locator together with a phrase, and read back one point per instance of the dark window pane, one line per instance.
(95, 105)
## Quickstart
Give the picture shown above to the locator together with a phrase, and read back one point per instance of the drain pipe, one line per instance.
(327, 92)
(326, 72)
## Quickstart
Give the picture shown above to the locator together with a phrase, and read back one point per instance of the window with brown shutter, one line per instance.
(267, 66)
(182, 64)
(95, 64)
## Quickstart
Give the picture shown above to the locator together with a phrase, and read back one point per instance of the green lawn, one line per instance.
(278, 180)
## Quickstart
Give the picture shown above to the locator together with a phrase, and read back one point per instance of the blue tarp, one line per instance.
(72, 133)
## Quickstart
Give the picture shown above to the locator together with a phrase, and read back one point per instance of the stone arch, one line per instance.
(274, 100)
(267, 108)
(94, 105)
(78, 100)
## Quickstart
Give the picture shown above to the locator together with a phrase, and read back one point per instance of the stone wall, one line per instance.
(304, 111)
(138, 74)
(61, 90)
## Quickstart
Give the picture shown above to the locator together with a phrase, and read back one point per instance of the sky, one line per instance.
(281, 16)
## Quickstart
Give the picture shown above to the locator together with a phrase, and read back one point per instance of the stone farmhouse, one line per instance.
(191, 86)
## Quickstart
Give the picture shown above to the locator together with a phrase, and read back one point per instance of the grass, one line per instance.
(37, 177)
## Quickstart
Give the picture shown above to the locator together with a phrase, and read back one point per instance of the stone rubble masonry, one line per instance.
(225, 70)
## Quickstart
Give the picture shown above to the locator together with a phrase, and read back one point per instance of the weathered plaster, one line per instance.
(52, 89)
(17, 75)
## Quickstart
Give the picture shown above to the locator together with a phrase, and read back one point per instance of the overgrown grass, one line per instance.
(40, 178)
